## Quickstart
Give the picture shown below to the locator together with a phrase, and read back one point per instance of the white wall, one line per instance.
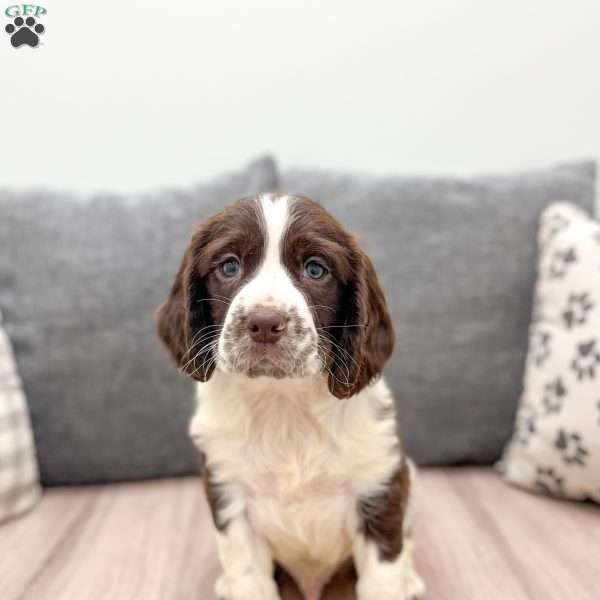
(129, 94)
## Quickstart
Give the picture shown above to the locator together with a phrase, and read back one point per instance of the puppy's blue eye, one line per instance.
(314, 269)
(231, 267)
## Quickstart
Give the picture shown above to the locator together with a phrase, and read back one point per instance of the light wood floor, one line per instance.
(478, 539)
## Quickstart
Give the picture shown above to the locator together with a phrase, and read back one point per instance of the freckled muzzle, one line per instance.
(269, 342)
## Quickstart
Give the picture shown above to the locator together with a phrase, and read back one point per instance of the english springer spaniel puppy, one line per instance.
(277, 313)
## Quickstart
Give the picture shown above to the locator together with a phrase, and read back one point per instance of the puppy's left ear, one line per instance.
(182, 318)
(366, 340)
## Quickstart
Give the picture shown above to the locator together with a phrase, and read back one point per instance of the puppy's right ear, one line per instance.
(181, 320)
(172, 318)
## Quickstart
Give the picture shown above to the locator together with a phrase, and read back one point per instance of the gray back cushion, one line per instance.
(457, 261)
(79, 281)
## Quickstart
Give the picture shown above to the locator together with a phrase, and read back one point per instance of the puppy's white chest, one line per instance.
(293, 474)
(299, 485)
(308, 528)
(297, 464)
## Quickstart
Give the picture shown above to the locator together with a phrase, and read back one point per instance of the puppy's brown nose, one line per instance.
(266, 325)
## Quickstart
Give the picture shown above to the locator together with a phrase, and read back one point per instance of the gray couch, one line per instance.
(79, 279)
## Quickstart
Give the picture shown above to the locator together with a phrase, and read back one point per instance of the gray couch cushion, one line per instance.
(79, 280)
(457, 260)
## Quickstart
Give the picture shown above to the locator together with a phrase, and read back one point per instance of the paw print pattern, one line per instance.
(554, 396)
(548, 482)
(586, 360)
(561, 260)
(576, 312)
(536, 309)
(540, 347)
(571, 447)
(554, 445)
(24, 32)
(526, 425)
(555, 225)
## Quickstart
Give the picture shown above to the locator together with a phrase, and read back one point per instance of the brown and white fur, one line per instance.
(303, 466)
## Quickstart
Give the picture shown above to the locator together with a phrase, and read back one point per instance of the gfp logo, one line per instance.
(24, 29)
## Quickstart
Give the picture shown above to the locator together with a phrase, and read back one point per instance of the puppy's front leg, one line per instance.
(245, 557)
(383, 550)
(382, 579)
(247, 565)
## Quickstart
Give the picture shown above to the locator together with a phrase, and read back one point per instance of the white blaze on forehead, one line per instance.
(275, 212)
(272, 282)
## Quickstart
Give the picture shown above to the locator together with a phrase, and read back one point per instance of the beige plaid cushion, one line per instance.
(19, 480)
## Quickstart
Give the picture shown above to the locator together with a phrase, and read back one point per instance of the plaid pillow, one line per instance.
(19, 479)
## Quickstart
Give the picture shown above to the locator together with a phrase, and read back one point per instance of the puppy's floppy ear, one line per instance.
(181, 319)
(366, 335)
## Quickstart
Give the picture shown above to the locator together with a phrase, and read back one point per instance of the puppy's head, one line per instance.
(273, 286)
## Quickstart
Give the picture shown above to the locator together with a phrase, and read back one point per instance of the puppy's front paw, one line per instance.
(409, 587)
(414, 586)
(246, 587)
(389, 588)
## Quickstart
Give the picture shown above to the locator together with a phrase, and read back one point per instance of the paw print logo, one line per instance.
(554, 396)
(586, 360)
(548, 482)
(24, 31)
(578, 307)
(571, 447)
(561, 260)
(540, 347)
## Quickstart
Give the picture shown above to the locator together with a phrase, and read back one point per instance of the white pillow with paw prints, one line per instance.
(555, 448)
